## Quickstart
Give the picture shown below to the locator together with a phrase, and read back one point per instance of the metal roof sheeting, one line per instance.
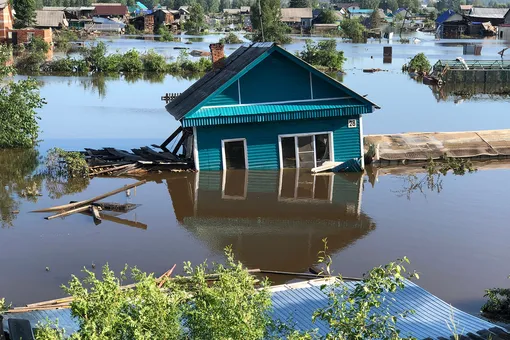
(104, 9)
(488, 13)
(432, 317)
(50, 19)
(296, 14)
(269, 113)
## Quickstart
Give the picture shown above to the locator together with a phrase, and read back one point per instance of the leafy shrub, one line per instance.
(62, 39)
(131, 30)
(498, 303)
(165, 34)
(112, 63)
(48, 330)
(30, 62)
(65, 65)
(38, 45)
(419, 63)
(95, 56)
(353, 29)
(230, 38)
(131, 61)
(229, 307)
(323, 54)
(106, 311)
(65, 164)
(153, 62)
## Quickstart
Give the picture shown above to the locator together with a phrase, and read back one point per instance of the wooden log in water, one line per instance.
(95, 212)
(92, 200)
(110, 170)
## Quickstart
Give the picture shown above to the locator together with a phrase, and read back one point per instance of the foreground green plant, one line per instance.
(229, 307)
(49, 330)
(358, 313)
(323, 54)
(106, 311)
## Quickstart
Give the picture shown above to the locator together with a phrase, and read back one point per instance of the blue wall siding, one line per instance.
(262, 140)
(229, 96)
(323, 89)
(275, 79)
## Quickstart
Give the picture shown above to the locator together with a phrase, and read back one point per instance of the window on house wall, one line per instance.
(234, 154)
(30, 36)
(305, 151)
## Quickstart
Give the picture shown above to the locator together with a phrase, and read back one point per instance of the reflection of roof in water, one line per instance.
(273, 220)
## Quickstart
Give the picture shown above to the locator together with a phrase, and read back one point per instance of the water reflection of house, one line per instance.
(264, 108)
(274, 220)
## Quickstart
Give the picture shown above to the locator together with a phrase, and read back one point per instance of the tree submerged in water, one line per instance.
(323, 54)
(497, 306)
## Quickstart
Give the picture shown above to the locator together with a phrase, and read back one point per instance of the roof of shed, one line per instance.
(444, 16)
(50, 18)
(488, 13)
(110, 10)
(235, 66)
(296, 14)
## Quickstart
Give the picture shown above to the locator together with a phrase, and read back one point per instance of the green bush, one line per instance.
(419, 63)
(62, 39)
(65, 164)
(229, 307)
(131, 30)
(153, 62)
(230, 38)
(131, 61)
(353, 29)
(112, 63)
(165, 34)
(106, 311)
(38, 45)
(66, 66)
(323, 54)
(95, 56)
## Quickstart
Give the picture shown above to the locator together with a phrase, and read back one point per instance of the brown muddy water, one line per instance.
(456, 235)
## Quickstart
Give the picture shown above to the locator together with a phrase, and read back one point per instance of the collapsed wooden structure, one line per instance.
(117, 162)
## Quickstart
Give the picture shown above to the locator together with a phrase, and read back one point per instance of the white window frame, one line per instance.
(296, 135)
(223, 155)
(297, 199)
(224, 184)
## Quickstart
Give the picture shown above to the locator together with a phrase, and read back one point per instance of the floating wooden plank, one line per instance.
(124, 154)
(109, 170)
(68, 212)
(95, 212)
(92, 200)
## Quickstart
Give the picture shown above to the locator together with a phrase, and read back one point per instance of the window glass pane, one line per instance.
(234, 155)
(305, 185)
(322, 148)
(305, 143)
(306, 154)
(288, 152)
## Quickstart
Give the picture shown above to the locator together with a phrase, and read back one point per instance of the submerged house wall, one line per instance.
(263, 145)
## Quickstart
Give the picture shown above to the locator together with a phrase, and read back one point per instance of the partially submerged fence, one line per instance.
(472, 71)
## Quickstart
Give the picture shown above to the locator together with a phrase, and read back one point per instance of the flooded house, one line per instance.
(451, 24)
(110, 10)
(299, 18)
(50, 19)
(264, 108)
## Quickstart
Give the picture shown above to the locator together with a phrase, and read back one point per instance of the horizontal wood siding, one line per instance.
(229, 96)
(262, 140)
(275, 79)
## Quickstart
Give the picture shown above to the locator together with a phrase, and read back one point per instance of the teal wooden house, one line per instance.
(264, 108)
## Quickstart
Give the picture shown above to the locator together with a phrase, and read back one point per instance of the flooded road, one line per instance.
(456, 239)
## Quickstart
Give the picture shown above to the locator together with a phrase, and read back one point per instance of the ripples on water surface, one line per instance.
(457, 238)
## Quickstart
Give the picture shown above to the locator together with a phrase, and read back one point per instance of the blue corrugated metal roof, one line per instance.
(296, 303)
(444, 16)
(360, 11)
(141, 6)
(432, 316)
(274, 112)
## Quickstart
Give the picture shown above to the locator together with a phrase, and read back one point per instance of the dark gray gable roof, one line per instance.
(213, 80)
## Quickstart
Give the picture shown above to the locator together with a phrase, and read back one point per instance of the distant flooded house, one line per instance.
(297, 17)
(110, 10)
(451, 24)
(264, 108)
(50, 19)
(496, 16)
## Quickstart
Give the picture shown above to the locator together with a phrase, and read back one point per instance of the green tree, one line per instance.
(196, 20)
(323, 54)
(375, 19)
(224, 4)
(369, 4)
(213, 6)
(392, 5)
(268, 25)
(353, 29)
(19, 101)
(299, 3)
(327, 16)
(25, 12)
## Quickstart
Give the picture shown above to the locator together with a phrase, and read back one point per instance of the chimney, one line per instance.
(217, 55)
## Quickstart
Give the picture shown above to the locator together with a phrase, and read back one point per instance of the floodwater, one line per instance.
(456, 238)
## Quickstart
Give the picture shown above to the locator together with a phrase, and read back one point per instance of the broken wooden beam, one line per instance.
(68, 212)
(92, 200)
(170, 138)
(180, 142)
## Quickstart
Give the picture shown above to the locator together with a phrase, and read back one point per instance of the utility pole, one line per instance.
(261, 23)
